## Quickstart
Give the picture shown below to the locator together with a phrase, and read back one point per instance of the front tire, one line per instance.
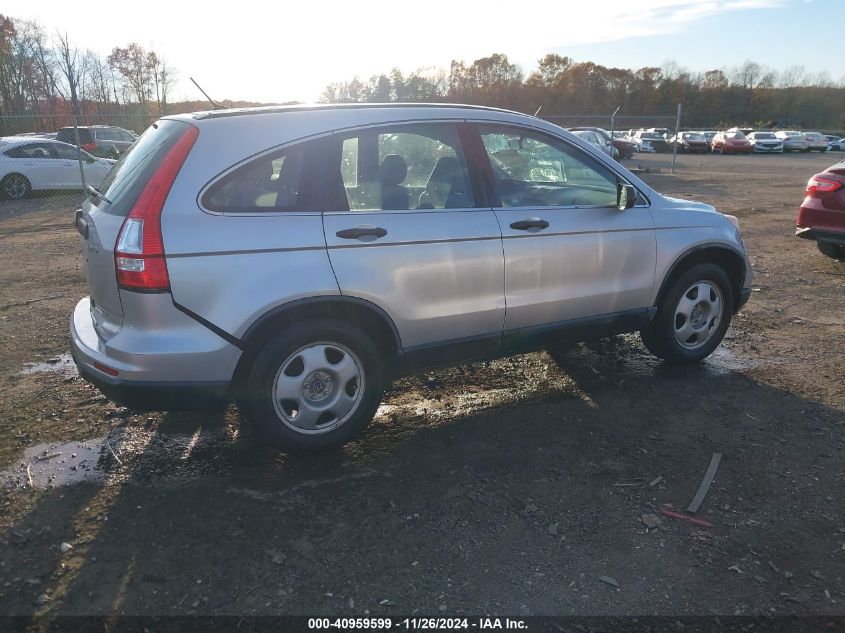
(15, 187)
(834, 251)
(692, 317)
(314, 387)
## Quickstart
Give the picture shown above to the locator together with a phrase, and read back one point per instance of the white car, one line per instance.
(817, 141)
(793, 141)
(765, 142)
(593, 138)
(30, 164)
(837, 145)
(643, 139)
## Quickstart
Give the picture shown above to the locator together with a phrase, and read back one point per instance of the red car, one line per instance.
(731, 142)
(822, 214)
(625, 148)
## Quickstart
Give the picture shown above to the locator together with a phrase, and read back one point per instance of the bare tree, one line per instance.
(70, 66)
(16, 48)
(100, 79)
(164, 77)
(47, 69)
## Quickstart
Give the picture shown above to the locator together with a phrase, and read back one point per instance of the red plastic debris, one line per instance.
(685, 517)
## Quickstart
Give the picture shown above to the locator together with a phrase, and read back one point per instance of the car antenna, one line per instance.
(217, 106)
(538, 111)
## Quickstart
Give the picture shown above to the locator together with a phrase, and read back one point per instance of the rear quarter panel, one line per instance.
(232, 268)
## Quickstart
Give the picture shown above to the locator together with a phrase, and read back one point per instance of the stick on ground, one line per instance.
(695, 504)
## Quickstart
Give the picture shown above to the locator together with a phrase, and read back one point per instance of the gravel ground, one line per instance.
(528, 485)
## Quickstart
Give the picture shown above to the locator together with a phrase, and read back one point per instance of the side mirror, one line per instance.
(626, 196)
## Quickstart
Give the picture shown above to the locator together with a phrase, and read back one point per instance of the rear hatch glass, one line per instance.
(122, 186)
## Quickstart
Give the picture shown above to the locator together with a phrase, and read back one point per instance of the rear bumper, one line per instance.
(145, 379)
(155, 396)
(820, 235)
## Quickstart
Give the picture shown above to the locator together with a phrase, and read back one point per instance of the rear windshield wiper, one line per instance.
(92, 190)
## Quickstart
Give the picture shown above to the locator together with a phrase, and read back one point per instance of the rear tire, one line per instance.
(314, 387)
(834, 251)
(15, 187)
(692, 317)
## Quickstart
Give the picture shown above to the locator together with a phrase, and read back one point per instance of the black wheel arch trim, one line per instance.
(679, 261)
(256, 325)
(242, 342)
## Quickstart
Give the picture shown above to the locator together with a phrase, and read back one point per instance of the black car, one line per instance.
(106, 141)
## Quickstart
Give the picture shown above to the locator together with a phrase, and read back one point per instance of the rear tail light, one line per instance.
(819, 184)
(139, 251)
(89, 147)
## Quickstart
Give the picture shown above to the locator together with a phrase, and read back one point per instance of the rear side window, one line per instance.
(124, 183)
(34, 150)
(286, 180)
(68, 135)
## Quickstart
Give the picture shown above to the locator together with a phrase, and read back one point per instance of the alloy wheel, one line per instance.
(15, 186)
(318, 387)
(698, 314)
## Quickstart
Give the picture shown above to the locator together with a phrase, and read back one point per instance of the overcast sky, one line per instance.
(279, 51)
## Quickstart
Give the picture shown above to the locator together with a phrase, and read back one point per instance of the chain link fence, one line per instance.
(48, 160)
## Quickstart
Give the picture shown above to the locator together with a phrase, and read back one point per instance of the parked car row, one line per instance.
(104, 141)
(733, 141)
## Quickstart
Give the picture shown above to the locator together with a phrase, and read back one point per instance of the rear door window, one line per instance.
(30, 151)
(402, 168)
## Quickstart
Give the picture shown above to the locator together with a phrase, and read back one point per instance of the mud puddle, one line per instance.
(62, 364)
(725, 361)
(52, 465)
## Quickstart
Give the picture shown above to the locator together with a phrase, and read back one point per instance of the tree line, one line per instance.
(47, 78)
(47, 75)
(749, 94)
(42, 74)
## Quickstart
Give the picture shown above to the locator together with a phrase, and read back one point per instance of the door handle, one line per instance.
(530, 223)
(360, 232)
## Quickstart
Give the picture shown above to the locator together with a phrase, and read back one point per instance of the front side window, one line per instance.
(63, 151)
(531, 169)
(407, 167)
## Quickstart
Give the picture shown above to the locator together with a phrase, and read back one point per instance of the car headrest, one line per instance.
(392, 170)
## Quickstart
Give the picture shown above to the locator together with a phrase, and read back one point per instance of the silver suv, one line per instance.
(298, 258)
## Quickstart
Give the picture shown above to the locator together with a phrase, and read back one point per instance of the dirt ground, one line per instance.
(505, 487)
